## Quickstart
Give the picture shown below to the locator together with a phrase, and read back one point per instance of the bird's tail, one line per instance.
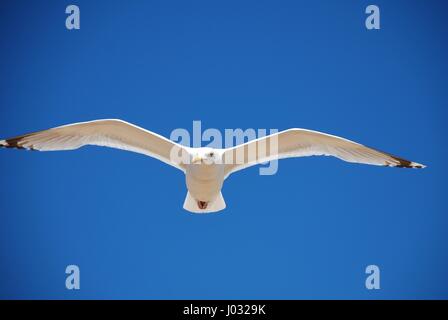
(192, 205)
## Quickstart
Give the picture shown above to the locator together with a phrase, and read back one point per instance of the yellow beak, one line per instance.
(196, 159)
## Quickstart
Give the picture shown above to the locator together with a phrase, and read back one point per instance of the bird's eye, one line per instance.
(211, 154)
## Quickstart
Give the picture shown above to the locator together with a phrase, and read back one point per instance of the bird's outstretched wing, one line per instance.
(108, 133)
(302, 143)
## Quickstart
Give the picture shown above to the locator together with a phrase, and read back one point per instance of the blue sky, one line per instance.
(307, 232)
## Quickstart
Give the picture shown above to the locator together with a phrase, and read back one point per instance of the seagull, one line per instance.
(205, 169)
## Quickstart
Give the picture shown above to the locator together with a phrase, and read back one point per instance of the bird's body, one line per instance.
(204, 182)
(205, 168)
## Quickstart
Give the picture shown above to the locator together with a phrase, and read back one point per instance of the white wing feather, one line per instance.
(302, 143)
(108, 133)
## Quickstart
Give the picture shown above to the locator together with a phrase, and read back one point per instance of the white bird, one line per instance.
(205, 168)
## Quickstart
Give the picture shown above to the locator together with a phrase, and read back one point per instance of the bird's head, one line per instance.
(204, 156)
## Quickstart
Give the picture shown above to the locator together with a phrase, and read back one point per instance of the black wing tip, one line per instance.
(402, 163)
(415, 166)
(14, 143)
(11, 143)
